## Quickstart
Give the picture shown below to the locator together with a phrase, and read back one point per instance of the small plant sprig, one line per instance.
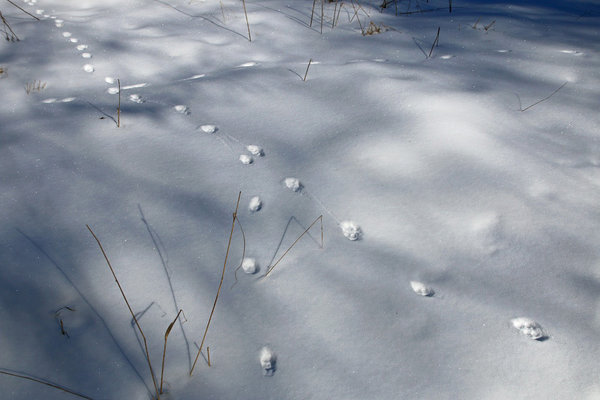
(247, 23)
(307, 67)
(35, 86)
(52, 385)
(436, 42)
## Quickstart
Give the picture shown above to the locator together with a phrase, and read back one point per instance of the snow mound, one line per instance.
(255, 150)
(293, 184)
(208, 128)
(421, 289)
(255, 204)
(529, 327)
(249, 265)
(246, 159)
(351, 230)
(267, 361)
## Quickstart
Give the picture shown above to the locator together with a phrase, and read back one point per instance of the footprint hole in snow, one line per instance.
(112, 90)
(255, 204)
(208, 128)
(293, 184)
(267, 359)
(136, 98)
(350, 230)
(529, 328)
(82, 47)
(249, 265)
(66, 34)
(182, 109)
(108, 79)
(421, 289)
(88, 68)
(246, 159)
(74, 40)
(86, 55)
(255, 150)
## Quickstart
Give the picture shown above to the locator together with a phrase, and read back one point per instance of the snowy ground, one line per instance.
(472, 213)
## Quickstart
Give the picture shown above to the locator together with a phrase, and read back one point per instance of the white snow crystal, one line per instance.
(421, 289)
(351, 230)
(255, 150)
(249, 265)
(88, 68)
(255, 204)
(246, 159)
(267, 360)
(293, 184)
(208, 128)
(528, 327)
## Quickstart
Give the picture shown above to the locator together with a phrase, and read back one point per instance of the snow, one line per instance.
(469, 169)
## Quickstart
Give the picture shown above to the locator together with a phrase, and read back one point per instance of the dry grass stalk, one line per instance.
(312, 13)
(436, 42)
(208, 354)
(220, 283)
(53, 385)
(167, 332)
(26, 12)
(307, 67)
(319, 218)
(542, 100)
(13, 36)
(119, 106)
(130, 311)
(247, 23)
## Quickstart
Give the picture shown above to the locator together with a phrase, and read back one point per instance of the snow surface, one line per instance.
(472, 166)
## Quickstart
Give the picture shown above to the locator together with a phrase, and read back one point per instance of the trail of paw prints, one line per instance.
(350, 229)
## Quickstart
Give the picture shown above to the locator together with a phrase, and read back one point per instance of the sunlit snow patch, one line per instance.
(74, 40)
(255, 150)
(246, 159)
(88, 68)
(421, 289)
(249, 265)
(293, 184)
(208, 128)
(351, 230)
(248, 64)
(86, 55)
(255, 204)
(182, 109)
(529, 328)
(267, 361)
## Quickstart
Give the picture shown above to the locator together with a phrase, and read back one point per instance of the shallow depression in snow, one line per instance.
(421, 289)
(255, 204)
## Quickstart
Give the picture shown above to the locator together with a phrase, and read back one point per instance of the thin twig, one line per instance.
(545, 98)
(319, 218)
(487, 27)
(167, 332)
(208, 355)
(25, 11)
(220, 284)
(247, 23)
(59, 387)
(322, 14)
(130, 311)
(307, 67)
